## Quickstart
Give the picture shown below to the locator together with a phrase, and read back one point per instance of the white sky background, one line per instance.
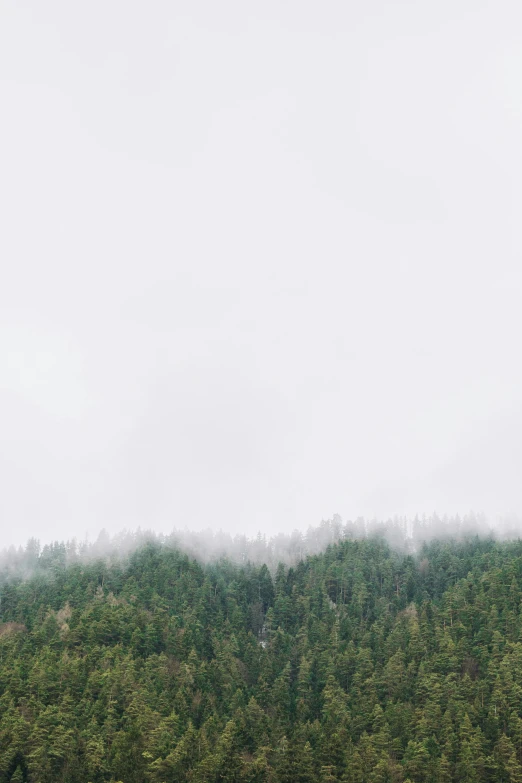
(260, 262)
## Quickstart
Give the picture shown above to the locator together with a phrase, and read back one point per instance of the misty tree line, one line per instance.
(207, 546)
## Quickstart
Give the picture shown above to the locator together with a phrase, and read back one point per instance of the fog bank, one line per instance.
(259, 262)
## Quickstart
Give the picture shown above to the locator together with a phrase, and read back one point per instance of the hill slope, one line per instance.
(358, 665)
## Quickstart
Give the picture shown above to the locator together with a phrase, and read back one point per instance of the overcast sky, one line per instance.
(260, 262)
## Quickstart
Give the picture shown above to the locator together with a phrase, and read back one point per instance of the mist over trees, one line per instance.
(289, 548)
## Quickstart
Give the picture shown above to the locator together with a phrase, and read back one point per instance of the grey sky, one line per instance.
(260, 262)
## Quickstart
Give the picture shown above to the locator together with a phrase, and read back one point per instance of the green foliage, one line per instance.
(358, 665)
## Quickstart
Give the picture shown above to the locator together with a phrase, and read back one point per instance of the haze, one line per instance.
(260, 262)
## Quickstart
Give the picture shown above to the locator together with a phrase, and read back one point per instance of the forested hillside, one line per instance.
(360, 665)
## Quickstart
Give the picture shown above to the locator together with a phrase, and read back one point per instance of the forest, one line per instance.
(363, 663)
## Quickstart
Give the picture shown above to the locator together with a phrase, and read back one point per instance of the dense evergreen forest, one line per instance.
(361, 664)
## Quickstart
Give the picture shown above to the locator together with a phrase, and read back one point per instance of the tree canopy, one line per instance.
(361, 664)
